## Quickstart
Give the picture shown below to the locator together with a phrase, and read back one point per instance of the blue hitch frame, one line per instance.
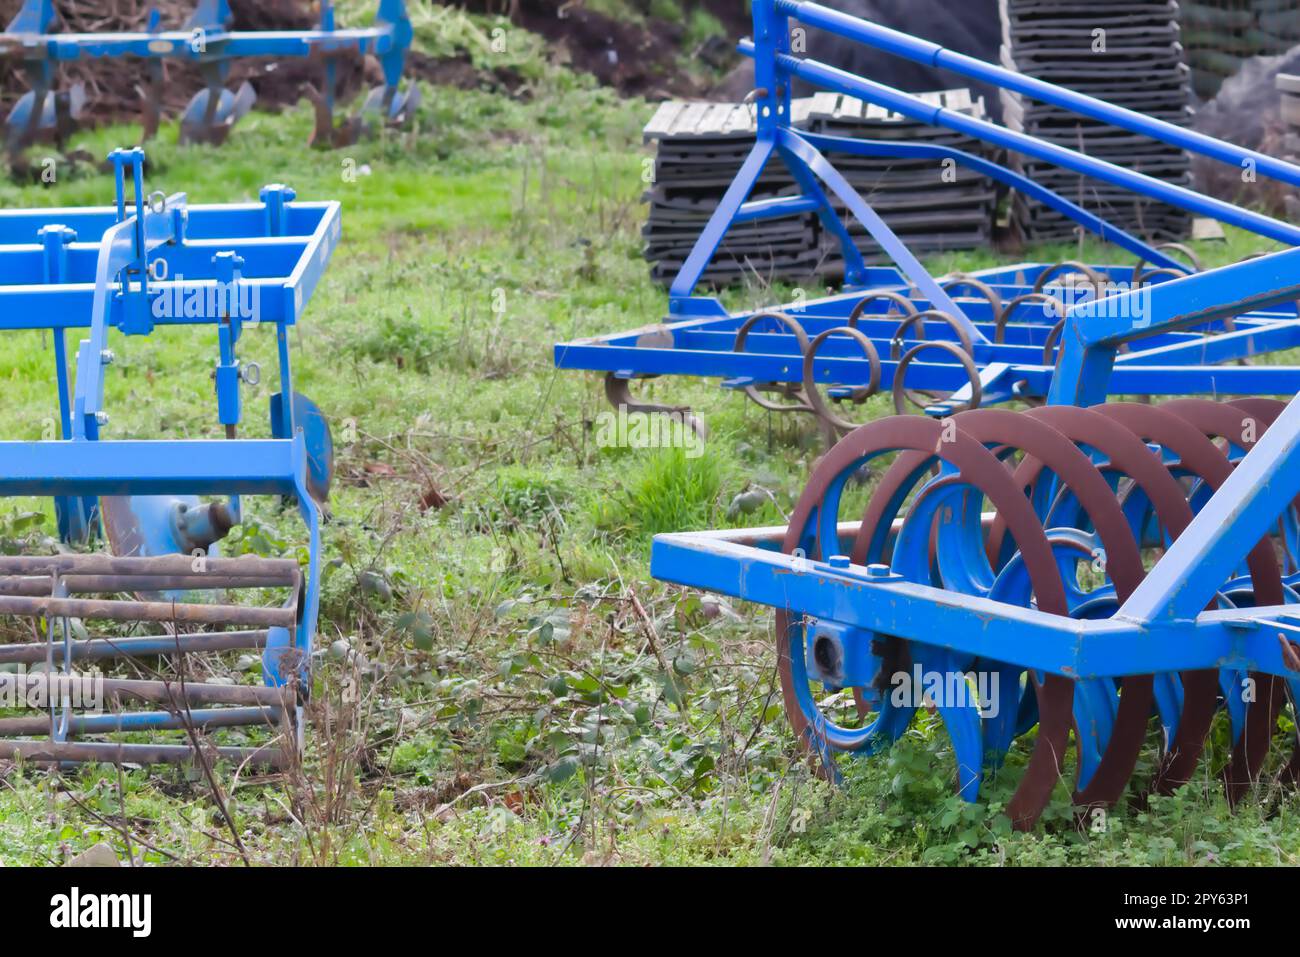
(152, 260)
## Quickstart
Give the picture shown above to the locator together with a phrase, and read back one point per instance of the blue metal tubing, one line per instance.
(192, 467)
(202, 221)
(751, 368)
(807, 165)
(932, 54)
(730, 563)
(1094, 331)
(831, 78)
(1095, 224)
(1241, 513)
(23, 265)
(179, 44)
(154, 720)
(26, 39)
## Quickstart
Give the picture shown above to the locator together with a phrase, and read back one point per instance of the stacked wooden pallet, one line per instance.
(701, 146)
(1125, 51)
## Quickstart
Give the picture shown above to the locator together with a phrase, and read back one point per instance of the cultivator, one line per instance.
(949, 343)
(45, 113)
(1082, 566)
(163, 591)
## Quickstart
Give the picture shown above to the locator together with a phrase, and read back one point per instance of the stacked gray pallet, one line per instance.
(1220, 34)
(701, 147)
(1127, 52)
(1289, 87)
(932, 206)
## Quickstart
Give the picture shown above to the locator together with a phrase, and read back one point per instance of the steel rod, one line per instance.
(932, 54)
(832, 78)
(193, 693)
(111, 752)
(107, 610)
(37, 585)
(143, 647)
(279, 569)
(149, 721)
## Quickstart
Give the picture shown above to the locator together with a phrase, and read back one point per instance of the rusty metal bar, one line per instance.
(179, 565)
(109, 610)
(36, 585)
(274, 756)
(171, 693)
(141, 647)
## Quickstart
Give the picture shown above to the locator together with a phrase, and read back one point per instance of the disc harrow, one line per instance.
(993, 529)
(1058, 585)
(142, 584)
(48, 114)
(947, 343)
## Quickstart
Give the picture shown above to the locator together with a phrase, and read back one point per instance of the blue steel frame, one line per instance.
(204, 41)
(1162, 627)
(107, 269)
(694, 339)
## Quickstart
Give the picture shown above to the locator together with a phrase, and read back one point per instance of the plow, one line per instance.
(141, 583)
(947, 343)
(46, 113)
(1065, 586)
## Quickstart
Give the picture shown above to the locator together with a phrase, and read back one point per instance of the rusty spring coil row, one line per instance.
(1067, 486)
(808, 397)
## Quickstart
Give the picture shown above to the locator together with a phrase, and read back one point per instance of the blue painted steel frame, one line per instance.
(1172, 363)
(50, 278)
(205, 40)
(1161, 628)
(1168, 366)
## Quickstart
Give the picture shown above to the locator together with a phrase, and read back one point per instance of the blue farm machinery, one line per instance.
(31, 45)
(142, 578)
(1059, 584)
(939, 343)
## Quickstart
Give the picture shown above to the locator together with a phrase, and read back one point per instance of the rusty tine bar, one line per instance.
(272, 756)
(171, 693)
(157, 721)
(182, 565)
(33, 585)
(168, 693)
(140, 647)
(99, 609)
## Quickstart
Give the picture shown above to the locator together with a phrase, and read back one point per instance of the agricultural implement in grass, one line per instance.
(1083, 565)
(148, 262)
(47, 113)
(948, 343)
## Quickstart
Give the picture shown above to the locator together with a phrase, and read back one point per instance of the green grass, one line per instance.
(527, 693)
